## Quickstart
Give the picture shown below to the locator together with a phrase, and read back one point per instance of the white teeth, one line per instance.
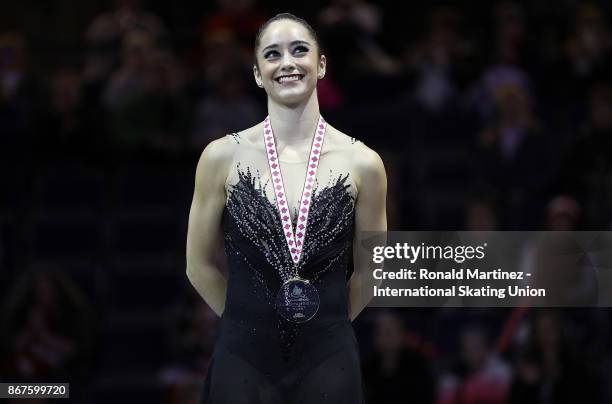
(288, 78)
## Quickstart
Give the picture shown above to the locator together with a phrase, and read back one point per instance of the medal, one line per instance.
(297, 300)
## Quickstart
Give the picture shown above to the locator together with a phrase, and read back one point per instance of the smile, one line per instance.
(293, 77)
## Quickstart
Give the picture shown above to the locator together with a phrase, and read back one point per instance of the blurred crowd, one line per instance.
(488, 116)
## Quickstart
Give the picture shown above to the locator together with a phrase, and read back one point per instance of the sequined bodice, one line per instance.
(258, 256)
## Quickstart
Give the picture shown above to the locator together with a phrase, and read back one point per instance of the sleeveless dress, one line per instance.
(259, 357)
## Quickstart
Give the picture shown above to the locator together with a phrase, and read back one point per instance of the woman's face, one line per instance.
(289, 62)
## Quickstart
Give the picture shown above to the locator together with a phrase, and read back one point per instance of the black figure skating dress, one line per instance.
(259, 357)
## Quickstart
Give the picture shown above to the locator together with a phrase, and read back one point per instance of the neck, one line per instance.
(293, 124)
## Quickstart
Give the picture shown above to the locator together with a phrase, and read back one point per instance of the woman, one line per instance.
(291, 193)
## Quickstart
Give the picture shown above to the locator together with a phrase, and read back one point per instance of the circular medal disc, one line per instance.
(297, 300)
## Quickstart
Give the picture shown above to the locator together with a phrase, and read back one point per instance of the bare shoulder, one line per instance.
(366, 163)
(214, 164)
(218, 151)
(367, 159)
(369, 169)
(225, 148)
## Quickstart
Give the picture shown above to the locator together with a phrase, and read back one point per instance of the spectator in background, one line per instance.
(350, 30)
(239, 19)
(65, 92)
(19, 96)
(506, 66)
(563, 214)
(484, 95)
(224, 105)
(587, 168)
(394, 373)
(143, 95)
(105, 34)
(227, 109)
(479, 376)
(557, 262)
(510, 154)
(510, 34)
(481, 213)
(46, 330)
(72, 126)
(563, 268)
(439, 59)
(548, 370)
(588, 48)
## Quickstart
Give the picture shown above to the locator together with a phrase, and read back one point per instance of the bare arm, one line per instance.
(370, 215)
(204, 222)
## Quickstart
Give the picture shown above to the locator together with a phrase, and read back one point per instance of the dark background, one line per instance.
(488, 116)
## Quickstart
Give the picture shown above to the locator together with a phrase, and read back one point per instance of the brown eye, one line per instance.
(300, 49)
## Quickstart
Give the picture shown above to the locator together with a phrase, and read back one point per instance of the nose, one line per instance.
(287, 62)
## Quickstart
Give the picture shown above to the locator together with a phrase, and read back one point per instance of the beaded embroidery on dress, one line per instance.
(255, 238)
(258, 219)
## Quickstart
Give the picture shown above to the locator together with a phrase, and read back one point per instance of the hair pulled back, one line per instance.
(285, 16)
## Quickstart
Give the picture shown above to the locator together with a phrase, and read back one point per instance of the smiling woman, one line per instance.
(291, 193)
(288, 62)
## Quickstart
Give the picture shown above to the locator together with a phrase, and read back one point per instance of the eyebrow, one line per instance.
(274, 45)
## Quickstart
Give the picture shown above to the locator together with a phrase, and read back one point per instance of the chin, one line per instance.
(292, 98)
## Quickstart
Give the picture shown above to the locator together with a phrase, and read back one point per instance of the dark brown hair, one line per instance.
(285, 16)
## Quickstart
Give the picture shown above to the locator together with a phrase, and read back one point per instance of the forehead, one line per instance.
(282, 31)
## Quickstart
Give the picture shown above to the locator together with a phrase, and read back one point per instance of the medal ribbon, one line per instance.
(295, 242)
